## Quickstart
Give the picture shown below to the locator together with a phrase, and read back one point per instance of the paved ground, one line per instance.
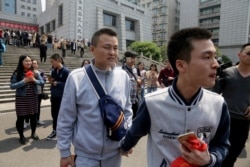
(44, 153)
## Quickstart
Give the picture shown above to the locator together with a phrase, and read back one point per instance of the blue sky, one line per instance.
(43, 5)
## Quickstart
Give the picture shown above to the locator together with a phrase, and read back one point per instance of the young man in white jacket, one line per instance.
(185, 106)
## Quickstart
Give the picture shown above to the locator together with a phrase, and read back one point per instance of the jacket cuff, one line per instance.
(212, 161)
(65, 153)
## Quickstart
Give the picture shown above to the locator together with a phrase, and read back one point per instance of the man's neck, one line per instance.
(185, 89)
(243, 69)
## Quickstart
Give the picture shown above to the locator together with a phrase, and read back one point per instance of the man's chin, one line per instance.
(112, 64)
(209, 85)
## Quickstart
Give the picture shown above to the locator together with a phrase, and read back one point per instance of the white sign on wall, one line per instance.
(79, 20)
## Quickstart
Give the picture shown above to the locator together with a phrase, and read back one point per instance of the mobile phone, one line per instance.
(187, 136)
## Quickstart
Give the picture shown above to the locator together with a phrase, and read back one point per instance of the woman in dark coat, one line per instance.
(43, 52)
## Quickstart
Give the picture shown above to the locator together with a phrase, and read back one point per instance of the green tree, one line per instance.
(147, 49)
(164, 52)
(222, 58)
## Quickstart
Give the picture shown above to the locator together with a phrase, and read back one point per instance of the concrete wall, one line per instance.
(93, 19)
(189, 13)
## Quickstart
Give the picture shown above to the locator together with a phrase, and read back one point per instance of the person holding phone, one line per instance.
(57, 80)
(25, 81)
(185, 106)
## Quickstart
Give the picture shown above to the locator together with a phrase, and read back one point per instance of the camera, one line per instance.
(223, 66)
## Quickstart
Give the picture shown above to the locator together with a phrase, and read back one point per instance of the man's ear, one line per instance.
(92, 49)
(180, 65)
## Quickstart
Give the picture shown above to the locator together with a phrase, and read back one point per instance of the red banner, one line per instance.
(8, 25)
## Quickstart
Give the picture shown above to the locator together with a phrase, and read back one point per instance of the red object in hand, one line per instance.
(196, 144)
(29, 74)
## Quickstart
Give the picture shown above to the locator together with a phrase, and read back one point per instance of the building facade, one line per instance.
(229, 22)
(165, 18)
(20, 14)
(78, 20)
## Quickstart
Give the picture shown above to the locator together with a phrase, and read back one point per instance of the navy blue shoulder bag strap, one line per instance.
(97, 85)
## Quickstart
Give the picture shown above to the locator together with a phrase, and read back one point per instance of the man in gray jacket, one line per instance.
(184, 107)
(80, 121)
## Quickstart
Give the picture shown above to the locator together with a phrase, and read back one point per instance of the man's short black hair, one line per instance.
(130, 54)
(244, 46)
(180, 44)
(98, 33)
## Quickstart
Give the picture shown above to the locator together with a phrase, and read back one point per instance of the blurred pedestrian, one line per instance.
(43, 52)
(152, 78)
(25, 81)
(59, 75)
(85, 62)
(40, 89)
(166, 75)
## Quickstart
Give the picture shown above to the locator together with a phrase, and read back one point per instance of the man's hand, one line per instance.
(162, 85)
(247, 112)
(29, 79)
(67, 162)
(127, 153)
(194, 156)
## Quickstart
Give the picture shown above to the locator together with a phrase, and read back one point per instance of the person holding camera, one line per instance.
(80, 121)
(184, 107)
(233, 84)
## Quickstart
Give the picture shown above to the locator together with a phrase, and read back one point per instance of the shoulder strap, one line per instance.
(130, 71)
(95, 82)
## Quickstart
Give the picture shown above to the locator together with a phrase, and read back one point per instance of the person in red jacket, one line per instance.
(166, 75)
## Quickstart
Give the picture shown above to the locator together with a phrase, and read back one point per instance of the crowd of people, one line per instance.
(181, 98)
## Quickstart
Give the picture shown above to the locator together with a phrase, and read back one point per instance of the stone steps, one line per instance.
(11, 57)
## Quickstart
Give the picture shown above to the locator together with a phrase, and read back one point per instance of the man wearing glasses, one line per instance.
(234, 85)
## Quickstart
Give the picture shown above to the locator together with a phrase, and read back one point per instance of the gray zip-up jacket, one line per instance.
(80, 120)
(165, 114)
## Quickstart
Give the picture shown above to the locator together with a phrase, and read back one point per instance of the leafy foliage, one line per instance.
(147, 48)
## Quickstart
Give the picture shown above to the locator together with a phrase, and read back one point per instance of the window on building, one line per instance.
(204, 1)
(109, 20)
(34, 9)
(129, 42)
(154, 36)
(48, 27)
(34, 16)
(28, 7)
(7, 4)
(22, 14)
(53, 23)
(28, 14)
(154, 27)
(60, 15)
(28, 1)
(130, 25)
(22, 6)
(162, 26)
(34, 2)
(42, 30)
(23, 0)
